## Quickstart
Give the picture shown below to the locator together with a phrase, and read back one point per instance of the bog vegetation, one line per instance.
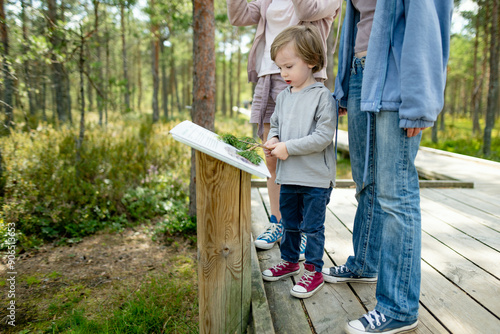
(90, 89)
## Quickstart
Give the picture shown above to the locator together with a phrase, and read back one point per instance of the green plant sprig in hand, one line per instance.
(245, 145)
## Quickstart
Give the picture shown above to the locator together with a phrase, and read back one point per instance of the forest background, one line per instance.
(90, 89)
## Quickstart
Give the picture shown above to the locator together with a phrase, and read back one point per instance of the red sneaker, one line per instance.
(310, 283)
(281, 270)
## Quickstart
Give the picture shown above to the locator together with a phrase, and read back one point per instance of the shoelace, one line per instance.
(340, 269)
(376, 318)
(306, 279)
(269, 232)
(281, 264)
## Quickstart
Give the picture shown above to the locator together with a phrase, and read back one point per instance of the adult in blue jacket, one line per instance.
(391, 77)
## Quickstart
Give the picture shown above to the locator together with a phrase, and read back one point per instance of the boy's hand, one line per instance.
(342, 111)
(270, 144)
(279, 151)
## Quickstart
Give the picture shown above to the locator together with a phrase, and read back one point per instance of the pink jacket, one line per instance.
(321, 13)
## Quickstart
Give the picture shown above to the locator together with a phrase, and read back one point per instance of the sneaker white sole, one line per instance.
(352, 330)
(333, 279)
(303, 295)
(263, 245)
(277, 278)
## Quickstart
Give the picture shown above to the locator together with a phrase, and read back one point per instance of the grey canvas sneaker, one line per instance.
(376, 322)
(342, 274)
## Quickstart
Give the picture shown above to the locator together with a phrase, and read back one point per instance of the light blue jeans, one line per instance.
(387, 225)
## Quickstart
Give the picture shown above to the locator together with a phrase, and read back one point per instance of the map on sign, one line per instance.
(209, 143)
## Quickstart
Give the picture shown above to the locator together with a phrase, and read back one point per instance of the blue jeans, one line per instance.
(303, 210)
(387, 225)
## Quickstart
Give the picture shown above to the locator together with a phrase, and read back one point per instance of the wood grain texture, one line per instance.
(224, 267)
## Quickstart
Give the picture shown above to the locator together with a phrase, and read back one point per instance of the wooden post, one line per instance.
(224, 253)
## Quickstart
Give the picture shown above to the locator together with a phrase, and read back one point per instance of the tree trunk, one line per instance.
(173, 73)
(90, 91)
(492, 105)
(139, 70)
(164, 82)
(156, 78)
(2, 176)
(124, 56)
(8, 81)
(100, 75)
(58, 76)
(43, 96)
(224, 99)
(476, 128)
(106, 81)
(155, 67)
(238, 74)
(26, 65)
(67, 95)
(81, 68)
(203, 110)
(231, 77)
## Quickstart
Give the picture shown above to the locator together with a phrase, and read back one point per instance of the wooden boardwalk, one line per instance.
(460, 291)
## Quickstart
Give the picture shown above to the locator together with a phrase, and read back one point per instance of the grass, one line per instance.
(163, 301)
(458, 138)
(161, 305)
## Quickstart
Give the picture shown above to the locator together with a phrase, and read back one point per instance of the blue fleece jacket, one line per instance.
(405, 67)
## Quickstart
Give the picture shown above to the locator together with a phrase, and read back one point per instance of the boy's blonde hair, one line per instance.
(307, 42)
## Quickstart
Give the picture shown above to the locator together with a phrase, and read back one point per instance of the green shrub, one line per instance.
(127, 173)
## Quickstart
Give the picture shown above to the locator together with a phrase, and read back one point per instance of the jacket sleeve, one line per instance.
(314, 10)
(424, 59)
(243, 13)
(322, 135)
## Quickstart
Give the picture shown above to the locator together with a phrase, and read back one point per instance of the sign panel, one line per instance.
(209, 143)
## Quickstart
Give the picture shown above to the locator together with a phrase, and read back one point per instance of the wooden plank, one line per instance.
(462, 220)
(477, 216)
(345, 183)
(474, 281)
(332, 307)
(458, 312)
(246, 246)
(260, 219)
(478, 200)
(262, 183)
(261, 315)
(340, 231)
(286, 311)
(220, 247)
(445, 184)
(479, 197)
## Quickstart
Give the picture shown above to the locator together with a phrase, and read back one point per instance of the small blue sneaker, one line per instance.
(303, 242)
(376, 322)
(273, 233)
(342, 274)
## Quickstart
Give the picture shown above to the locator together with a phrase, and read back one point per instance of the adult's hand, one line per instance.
(412, 132)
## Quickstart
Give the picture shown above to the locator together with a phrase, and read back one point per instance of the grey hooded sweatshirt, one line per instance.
(306, 122)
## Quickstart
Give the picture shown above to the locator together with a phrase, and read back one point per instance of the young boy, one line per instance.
(301, 137)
